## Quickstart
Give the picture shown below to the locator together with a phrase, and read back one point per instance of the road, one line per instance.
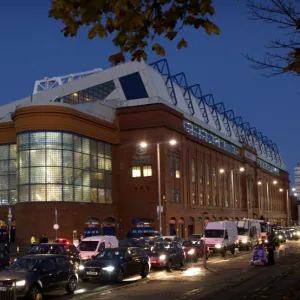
(231, 276)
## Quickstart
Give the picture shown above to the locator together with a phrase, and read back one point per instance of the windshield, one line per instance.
(242, 231)
(26, 263)
(161, 247)
(45, 249)
(264, 227)
(190, 243)
(111, 254)
(214, 233)
(88, 246)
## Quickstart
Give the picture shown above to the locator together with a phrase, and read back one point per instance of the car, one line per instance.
(132, 242)
(171, 238)
(63, 241)
(55, 248)
(194, 250)
(32, 275)
(5, 260)
(281, 236)
(195, 237)
(116, 264)
(166, 255)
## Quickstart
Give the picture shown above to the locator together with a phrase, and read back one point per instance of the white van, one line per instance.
(221, 237)
(248, 233)
(91, 246)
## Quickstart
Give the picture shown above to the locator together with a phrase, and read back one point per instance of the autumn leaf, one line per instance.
(171, 35)
(117, 58)
(158, 49)
(182, 43)
(211, 28)
(139, 55)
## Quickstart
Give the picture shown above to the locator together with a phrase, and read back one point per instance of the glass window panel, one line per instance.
(78, 177)
(86, 161)
(94, 179)
(13, 196)
(38, 175)
(86, 180)
(68, 176)
(24, 193)
(4, 197)
(67, 158)
(54, 175)
(37, 158)
(100, 163)
(77, 143)
(94, 195)
(4, 182)
(13, 151)
(53, 140)
(78, 193)
(12, 182)
(54, 192)
(12, 166)
(38, 192)
(37, 140)
(86, 194)
(147, 171)
(94, 162)
(23, 176)
(93, 147)
(101, 179)
(108, 180)
(101, 149)
(85, 145)
(107, 150)
(108, 196)
(54, 158)
(68, 193)
(77, 160)
(23, 141)
(4, 152)
(101, 196)
(67, 141)
(136, 171)
(108, 164)
(3, 167)
(24, 159)
(133, 86)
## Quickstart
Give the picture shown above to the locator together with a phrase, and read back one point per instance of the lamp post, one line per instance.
(160, 207)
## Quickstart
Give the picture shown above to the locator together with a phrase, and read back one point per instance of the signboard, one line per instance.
(249, 155)
(55, 227)
(108, 224)
(137, 160)
(140, 150)
(259, 254)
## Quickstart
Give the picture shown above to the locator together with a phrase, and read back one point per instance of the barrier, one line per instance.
(286, 251)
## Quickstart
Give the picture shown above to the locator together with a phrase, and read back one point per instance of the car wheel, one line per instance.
(34, 293)
(145, 271)
(120, 276)
(182, 263)
(169, 265)
(72, 284)
(196, 258)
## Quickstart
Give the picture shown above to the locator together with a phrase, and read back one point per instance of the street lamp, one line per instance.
(259, 182)
(293, 189)
(160, 208)
(222, 171)
(242, 169)
(280, 190)
(275, 182)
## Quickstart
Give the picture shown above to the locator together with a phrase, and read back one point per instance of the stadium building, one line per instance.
(118, 150)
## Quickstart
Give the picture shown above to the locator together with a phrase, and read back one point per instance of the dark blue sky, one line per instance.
(32, 48)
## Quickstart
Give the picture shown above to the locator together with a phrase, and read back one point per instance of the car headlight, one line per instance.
(280, 237)
(81, 267)
(266, 241)
(244, 241)
(109, 268)
(192, 251)
(162, 257)
(218, 246)
(84, 257)
(298, 233)
(21, 283)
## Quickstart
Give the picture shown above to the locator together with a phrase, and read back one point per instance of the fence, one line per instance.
(8, 290)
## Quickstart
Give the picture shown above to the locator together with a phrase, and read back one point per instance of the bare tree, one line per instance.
(282, 55)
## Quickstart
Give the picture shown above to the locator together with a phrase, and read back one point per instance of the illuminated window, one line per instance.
(200, 172)
(147, 171)
(207, 175)
(177, 168)
(136, 171)
(55, 166)
(193, 170)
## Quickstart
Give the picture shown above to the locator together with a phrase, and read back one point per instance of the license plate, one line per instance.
(3, 289)
(92, 273)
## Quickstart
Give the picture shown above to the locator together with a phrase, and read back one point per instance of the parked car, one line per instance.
(64, 249)
(281, 236)
(63, 241)
(5, 260)
(166, 255)
(194, 250)
(116, 264)
(35, 274)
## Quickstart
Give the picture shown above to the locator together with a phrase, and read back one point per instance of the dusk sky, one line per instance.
(32, 47)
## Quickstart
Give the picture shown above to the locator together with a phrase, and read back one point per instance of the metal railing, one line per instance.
(8, 290)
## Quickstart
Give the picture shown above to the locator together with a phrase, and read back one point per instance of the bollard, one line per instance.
(291, 250)
(281, 253)
(286, 250)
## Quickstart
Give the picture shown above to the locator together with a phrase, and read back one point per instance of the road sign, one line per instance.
(55, 226)
(159, 209)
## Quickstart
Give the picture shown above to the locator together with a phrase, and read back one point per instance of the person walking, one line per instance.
(32, 241)
(271, 249)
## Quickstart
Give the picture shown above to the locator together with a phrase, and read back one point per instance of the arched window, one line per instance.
(193, 170)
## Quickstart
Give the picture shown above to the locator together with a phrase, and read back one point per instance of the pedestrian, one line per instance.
(81, 237)
(45, 239)
(271, 249)
(32, 241)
